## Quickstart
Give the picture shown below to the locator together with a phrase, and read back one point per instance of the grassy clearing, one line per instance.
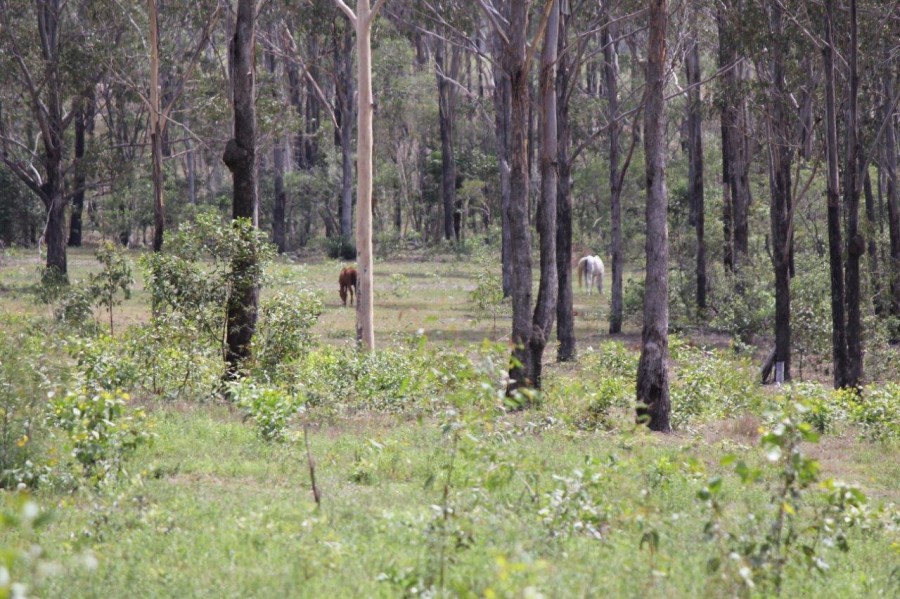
(428, 488)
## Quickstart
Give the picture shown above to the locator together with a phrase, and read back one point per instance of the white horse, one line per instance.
(590, 272)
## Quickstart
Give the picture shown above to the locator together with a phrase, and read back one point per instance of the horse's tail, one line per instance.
(580, 271)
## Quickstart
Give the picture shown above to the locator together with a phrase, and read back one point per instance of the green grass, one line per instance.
(210, 510)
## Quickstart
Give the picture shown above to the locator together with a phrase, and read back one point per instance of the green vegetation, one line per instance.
(153, 479)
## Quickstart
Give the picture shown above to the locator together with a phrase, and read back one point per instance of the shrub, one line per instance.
(340, 248)
(101, 430)
(271, 409)
(284, 330)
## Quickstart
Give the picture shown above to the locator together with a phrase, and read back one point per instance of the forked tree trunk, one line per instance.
(652, 376)
(838, 318)
(545, 309)
(240, 158)
(514, 64)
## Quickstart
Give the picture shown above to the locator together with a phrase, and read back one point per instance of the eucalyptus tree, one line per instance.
(652, 377)
(241, 159)
(362, 20)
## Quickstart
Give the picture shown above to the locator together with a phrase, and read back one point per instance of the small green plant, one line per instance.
(113, 278)
(400, 286)
(284, 331)
(796, 529)
(101, 429)
(577, 504)
(488, 295)
(270, 409)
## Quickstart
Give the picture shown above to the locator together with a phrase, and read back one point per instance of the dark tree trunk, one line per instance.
(856, 244)
(84, 124)
(611, 75)
(280, 200)
(695, 158)
(545, 309)
(838, 319)
(344, 111)
(240, 158)
(652, 376)
(781, 155)
(446, 110)
(565, 315)
(875, 273)
(735, 137)
(514, 64)
(725, 57)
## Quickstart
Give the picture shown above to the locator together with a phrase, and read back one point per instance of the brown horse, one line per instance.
(347, 281)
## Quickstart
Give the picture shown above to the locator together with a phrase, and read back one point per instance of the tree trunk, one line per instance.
(545, 309)
(446, 105)
(502, 110)
(875, 273)
(695, 158)
(565, 316)
(611, 74)
(838, 319)
(514, 63)
(890, 175)
(652, 376)
(240, 158)
(343, 61)
(83, 124)
(781, 151)
(156, 131)
(856, 244)
(280, 200)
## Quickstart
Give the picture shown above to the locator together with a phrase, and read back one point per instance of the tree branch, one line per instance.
(347, 11)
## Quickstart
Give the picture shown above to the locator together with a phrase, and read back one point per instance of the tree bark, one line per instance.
(279, 205)
(156, 131)
(781, 152)
(240, 158)
(856, 244)
(565, 315)
(889, 162)
(652, 376)
(446, 110)
(611, 75)
(502, 110)
(875, 273)
(514, 64)
(545, 309)
(838, 318)
(695, 159)
(84, 125)
(344, 110)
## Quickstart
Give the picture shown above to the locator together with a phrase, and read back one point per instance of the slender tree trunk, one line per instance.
(545, 309)
(781, 151)
(240, 158)
(514, 64)
(344, 108)
(652, 376)
(565, 315)
(83, 122)
(890, 175)
(725, 58)
(856, 244)
(875, 273)
(278, 159)
(502, 110)
(838, 319)
(446, 102)
(190, 166)
(611, 74)
(695, 158)
(156, 130)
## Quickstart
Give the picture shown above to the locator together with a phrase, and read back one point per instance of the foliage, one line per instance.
(284, 331)
(101, 430)
(744, 303)
(487, 296)
(115, 276)
(271, 409)
(340, 248)
(795, 530)
(577, 504)
(23, 562)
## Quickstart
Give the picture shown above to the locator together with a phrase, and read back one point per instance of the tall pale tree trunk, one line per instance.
(838, 318)
(240, 158)
(652, 375)
(362, 21)
(545, 309)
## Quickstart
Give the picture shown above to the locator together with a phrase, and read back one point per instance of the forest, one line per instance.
(439, 298)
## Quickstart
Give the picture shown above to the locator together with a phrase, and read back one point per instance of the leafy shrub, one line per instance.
(284, 330)
(115, 276)
(271, 409)
(340, 248)
(744, 303)
(811, 314)
(577, 504)
(400, 286)
(877, 411)
(101, 430)
(487, 296)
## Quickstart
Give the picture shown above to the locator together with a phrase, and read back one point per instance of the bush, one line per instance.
(284, 331)
(101, 430)
(271, 409)
(340, 248)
